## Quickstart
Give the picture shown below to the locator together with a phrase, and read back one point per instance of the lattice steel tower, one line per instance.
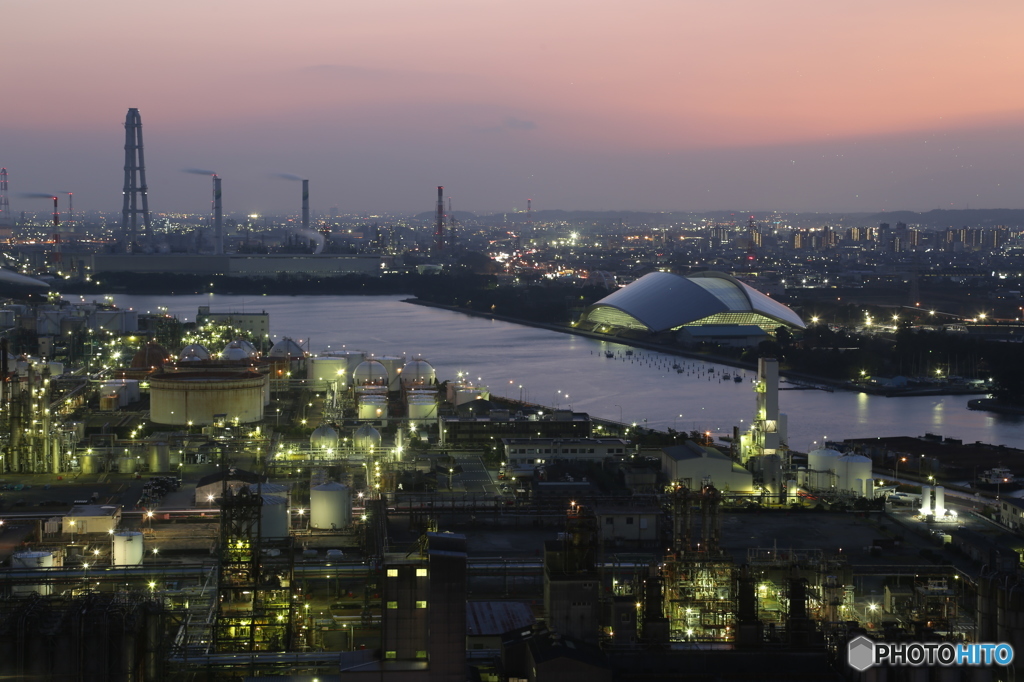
(5, 205)
(134, 178)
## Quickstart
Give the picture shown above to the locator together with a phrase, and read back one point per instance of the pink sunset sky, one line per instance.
(652, 105)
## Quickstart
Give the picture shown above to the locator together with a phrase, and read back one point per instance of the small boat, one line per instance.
(609, 354)
(629, 351)
(737, 378)
(726, 376)
(998, 478)
(679, 371)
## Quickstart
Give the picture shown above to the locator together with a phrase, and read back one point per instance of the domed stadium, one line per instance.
(662, 302)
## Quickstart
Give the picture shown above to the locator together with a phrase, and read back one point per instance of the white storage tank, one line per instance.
(178, 398)
(852, 471)
(394, 365)
(128, 548)
(422, 409)
(194, 352)
(126, 465)
(32, 560)
(823, 459)
(418, 372)
(366, 438)
(238, 350)
(324, 438)
(370, 372)
(372, 408)
(330, 506)
(322, 371)
(274, 517)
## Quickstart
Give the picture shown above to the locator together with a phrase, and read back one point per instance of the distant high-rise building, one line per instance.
(5, 205)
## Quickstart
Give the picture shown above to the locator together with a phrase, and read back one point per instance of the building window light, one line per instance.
(421, 604)
(392, 605)
(421, 573)
(392, 572)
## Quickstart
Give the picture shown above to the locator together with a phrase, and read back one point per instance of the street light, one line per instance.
(896, 472)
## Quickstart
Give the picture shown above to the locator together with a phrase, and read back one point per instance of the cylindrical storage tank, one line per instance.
(158, 457)
(771, 473)
(370, 372)
(32, 560)
(174, 457)
(372, 408)
(421, 410)
(849, 468)
(128, 548)
(926, 500)
(940, 500)
(274, 517)
(394, 365)
(330, 506)
(823, 459)
(418, 372)
(126, 465)
(179, 398)
(791, 491)
(90, 464)
(324, 371)
(110, 400)
(869, 488)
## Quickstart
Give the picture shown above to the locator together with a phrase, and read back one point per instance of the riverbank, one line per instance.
(801, 379)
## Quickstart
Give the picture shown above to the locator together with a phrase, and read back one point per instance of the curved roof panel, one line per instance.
(661, 301)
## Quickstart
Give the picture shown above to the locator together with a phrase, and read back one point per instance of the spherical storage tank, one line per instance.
(418, 372)
(274, 517)
(193, 352)
(32, 560)
(238, 350)
(853, 471)
(180, 398)
(128, 548)
(370, 372)
(323, 438)
(330, 506)
(366, 438)
(286, 348)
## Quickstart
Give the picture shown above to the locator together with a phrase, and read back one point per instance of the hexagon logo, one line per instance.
(860, 653)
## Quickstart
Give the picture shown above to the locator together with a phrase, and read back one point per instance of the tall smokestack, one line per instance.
(56, 215)
(305, 204)
(439, 228)
(218, 218)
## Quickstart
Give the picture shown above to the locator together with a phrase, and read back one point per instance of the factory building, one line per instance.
(87, 519)
(693, 465)
(665, 302)
(498, 424)
(523, 455)
(257, 324)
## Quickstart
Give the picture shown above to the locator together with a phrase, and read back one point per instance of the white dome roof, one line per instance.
(193, 352)
(286, 348)
(366, 438)
(323, 437)
(418, 370)
(370, 372)
(239, 349)
(660, 301)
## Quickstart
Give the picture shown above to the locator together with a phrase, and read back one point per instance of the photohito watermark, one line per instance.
(863, 653)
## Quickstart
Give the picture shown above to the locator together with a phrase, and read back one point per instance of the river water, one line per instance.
(556, 369)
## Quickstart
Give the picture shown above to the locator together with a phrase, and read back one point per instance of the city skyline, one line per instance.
(796, 106)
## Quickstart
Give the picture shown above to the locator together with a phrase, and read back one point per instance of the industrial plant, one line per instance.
(190, 501)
